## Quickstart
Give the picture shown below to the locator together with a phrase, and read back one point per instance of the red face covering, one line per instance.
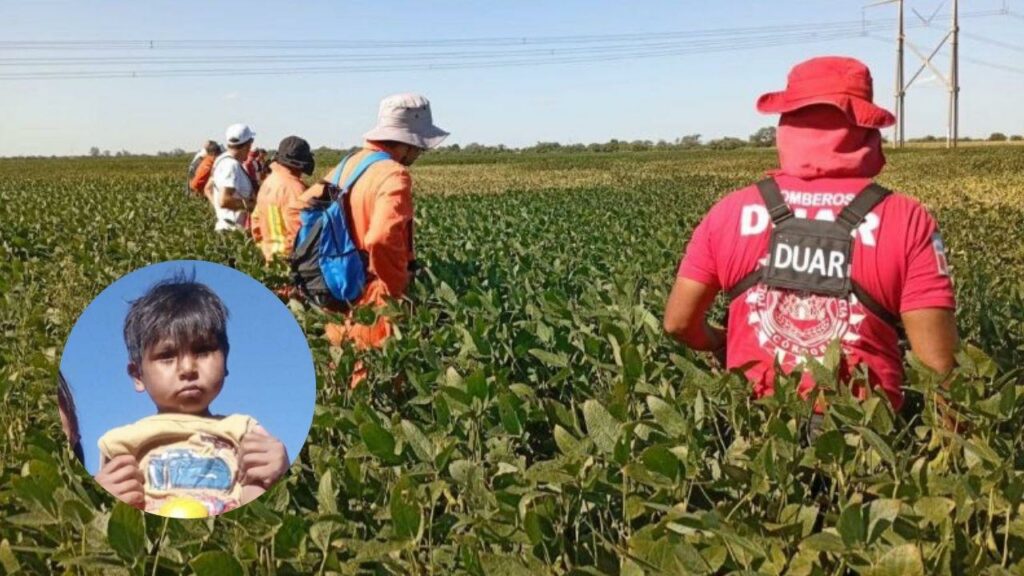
(820, 142)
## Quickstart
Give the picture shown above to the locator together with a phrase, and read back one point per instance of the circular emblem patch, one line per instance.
(799, 324)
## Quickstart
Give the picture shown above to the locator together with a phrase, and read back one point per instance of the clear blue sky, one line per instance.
(271, 375)
(644, 98)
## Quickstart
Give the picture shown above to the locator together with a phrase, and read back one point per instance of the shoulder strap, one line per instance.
(774, 201)
(855, 212)
(359, 169)
(745, 284)
(779, 212)
(340, 169)
(225, 156)
(874, 306)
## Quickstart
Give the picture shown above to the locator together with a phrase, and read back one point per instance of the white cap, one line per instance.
(406, 118)
(238, 134)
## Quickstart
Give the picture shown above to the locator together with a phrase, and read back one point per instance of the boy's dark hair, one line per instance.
(178, 308)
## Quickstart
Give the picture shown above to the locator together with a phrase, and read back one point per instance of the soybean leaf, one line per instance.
(852, 525)
(320, 533)
(379, 442)
(823, 542)
(876, 442)
(602, 427)
(405, 512)
(903, 560)
(557, 360)
(934, 509)
(216, 563)
(566, 443)
(660, 460)
(667, 416)
(420, 444)
(126, 532)
(326, 497)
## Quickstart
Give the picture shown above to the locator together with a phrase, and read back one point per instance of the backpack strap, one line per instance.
(854, 213)
(225, 156)
(875, 307)
(745, 284)
(850, 218)
(358, 170)
(340, 169)
(216, 162)
(779, 212)
(773, 200)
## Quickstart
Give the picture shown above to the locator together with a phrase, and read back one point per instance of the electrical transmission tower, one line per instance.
(952, 82)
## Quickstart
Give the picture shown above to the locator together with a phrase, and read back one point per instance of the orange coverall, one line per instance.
(202, 174)
(382, 212)
(275, 220)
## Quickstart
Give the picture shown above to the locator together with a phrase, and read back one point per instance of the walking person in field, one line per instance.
(380, 209)
(201, 174)
(256, 166)
(230, 189)
(275, 221)
(782, 249)
(193, 165)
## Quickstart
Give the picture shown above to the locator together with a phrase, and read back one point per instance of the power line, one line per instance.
(377, 44)
(721, 47)
(316, 44)
(992, 42)
(994, 65)
(519, 52)
(330, 57)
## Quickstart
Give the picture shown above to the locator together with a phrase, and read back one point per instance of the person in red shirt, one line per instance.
(830, 149)
(256, 166)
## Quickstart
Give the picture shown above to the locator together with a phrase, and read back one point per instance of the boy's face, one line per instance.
(181, 379)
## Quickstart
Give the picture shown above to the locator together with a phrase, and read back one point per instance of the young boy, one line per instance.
(176, 336)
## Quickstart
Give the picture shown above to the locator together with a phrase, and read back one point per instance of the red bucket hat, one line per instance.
(841, 82)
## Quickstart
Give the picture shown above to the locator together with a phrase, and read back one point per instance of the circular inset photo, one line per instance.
(186, 388)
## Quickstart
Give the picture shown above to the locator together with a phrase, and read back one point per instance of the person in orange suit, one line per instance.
(381, 206)
(276, 219)
(204, 169)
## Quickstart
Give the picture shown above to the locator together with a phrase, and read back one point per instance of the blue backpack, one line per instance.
(326, 265)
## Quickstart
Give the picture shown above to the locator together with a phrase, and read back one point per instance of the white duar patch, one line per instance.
(811, 261)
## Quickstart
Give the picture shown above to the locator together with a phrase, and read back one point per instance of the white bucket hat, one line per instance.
(406, 118)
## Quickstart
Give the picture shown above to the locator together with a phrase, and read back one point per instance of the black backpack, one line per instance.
(815, 255)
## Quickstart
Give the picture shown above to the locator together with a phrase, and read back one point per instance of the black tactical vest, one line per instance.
(814, 256)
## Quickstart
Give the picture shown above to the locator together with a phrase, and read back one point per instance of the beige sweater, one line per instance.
(184, 455)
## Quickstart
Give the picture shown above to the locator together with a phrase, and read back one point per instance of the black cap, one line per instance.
(294, 152)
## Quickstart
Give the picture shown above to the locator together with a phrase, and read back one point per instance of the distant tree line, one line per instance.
(993, 137)
(762, 138)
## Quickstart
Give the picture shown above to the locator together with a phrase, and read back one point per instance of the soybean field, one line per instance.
(530, 416)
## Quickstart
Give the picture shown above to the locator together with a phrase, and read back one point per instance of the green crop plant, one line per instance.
(529, 416)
